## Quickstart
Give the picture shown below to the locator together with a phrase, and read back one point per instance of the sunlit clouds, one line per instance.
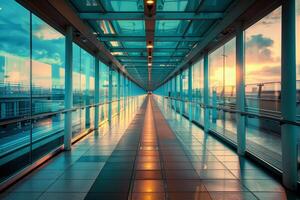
(43, 32)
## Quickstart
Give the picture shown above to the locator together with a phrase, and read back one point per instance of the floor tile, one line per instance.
(148, 174)
(71, 186)
(185, 186)
(148, 196)
(20, 196)
(62, 196)
(189, 196)
(148, 186)
(114, 186)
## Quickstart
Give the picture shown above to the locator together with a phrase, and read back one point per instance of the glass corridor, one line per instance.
(72, 68)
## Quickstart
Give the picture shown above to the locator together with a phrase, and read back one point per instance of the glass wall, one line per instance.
(197, 91)
(104, 75)
(114, 92)
(263, 87)
(185, 97)
(31, 88)
(83, 86)
(47, 86)
(222, 89)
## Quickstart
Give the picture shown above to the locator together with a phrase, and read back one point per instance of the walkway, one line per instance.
(159, 156)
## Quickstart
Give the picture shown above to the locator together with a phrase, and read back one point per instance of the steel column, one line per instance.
(124, 92)
(68, 88)
(190, 88)
(181, 103)
(240, 90)
(87, 96)
(288, 94)
(206, 92)
(97, 94)
(110, 94)
(175, 89)
(119, 91)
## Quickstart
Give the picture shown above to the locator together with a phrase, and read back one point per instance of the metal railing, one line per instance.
(63, 111)
(247, 114)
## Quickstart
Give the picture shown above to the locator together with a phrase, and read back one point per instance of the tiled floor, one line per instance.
(159, 156)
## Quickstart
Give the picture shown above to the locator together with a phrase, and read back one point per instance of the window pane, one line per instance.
(222, 89)
(48, 47)
(14, 84)
(263, 75)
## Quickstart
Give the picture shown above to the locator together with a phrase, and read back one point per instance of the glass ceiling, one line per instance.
(177, 29)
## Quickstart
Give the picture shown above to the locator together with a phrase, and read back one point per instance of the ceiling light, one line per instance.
(149, 45)
(150, 2)
(117, 53)
(114, 43)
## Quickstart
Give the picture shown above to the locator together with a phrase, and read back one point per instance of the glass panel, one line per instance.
(87, 5)
(103, 90)
(170, 27)
(263, 75)
(129, 27)
(123, 5)
(48, 47)
(198, 27)
(215, 6)
(197, 91)
(222, 88)
(134, 44)
(185, 97)
(14, 84)
(171, 5)
(83, 89)
(165, 44)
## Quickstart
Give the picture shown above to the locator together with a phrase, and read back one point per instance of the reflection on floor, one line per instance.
(159, 156)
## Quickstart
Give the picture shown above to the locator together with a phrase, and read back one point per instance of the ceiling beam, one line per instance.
(141, 62)
(145, 50)
(157, 16)
(140, 65)
(155, 58)
(156, 38)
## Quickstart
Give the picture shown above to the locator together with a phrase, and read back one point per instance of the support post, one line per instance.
(288, 94)
(176, 95)
(171, 92)
(181, 102)
(124, 92)
(240, 90)
(130, 97)
(190, 89)
(206, 92)
(87, 96)
(97, 94)
(68, 88)
(119, 91)
(110, 94)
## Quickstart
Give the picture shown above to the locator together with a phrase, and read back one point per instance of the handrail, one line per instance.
(63, 111)
(251, 115)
